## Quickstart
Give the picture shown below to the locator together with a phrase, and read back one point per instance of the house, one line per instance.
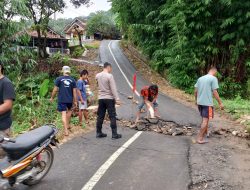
(75, 28)
(55, 41)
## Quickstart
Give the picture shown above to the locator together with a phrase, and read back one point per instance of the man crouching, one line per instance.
(149, 96)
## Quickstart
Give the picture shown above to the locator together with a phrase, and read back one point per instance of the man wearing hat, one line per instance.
(66, 87)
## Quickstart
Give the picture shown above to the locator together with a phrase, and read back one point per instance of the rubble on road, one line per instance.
(162, 126)
(227, 131)
(172, 128)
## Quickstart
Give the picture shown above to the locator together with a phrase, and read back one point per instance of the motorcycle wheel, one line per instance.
(48, 163)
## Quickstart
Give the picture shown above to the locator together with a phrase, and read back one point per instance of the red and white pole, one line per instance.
(134, 85)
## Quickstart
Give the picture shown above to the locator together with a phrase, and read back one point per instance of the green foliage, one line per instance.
(91, 46)
(185, 38)
(104, 23)
(248, 88)
(77, 52)
(32, 107)
(78, 3)
(33, 113)
(248, 129)
(59, 24)
(10, 54)
(58, 58)
(237, 107)
(40, 12)
(29, 86)
(44, 88)
(56, 62)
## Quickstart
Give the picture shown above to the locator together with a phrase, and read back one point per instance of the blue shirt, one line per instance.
(81, 86)
(66, 84)
(205, 86)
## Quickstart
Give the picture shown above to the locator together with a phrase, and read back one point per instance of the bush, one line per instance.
(184, 38)
(72, 48)
(56, 62)
(77, 52)
(248, 89)
(32, 113)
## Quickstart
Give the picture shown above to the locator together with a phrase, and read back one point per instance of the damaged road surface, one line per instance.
(161, 157)
(211, 166)
(163, 126)
(153, 161)
(171, 162)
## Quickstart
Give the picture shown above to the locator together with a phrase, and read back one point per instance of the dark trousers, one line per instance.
(106, 105)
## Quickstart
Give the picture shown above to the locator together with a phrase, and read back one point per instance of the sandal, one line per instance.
(202, 142)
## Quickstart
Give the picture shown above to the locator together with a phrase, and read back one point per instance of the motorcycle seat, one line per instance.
(28, 141)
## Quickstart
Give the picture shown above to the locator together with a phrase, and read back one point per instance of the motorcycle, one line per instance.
(29, 157)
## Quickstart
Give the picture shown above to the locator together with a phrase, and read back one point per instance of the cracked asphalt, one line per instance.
(151, 162)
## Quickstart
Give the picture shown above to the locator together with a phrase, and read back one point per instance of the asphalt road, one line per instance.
(151, 162)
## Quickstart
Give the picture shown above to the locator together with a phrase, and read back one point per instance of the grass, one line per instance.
(93, 45)
(238, 108)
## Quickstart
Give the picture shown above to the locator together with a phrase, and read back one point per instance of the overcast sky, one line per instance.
(72, 12)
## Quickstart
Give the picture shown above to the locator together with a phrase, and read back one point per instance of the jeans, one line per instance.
(142, 104)
(106, 105)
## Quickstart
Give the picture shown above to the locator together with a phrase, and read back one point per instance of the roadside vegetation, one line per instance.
(103, 23)
(32, 72)
(32, 107)
(182, 39)
(238, 108)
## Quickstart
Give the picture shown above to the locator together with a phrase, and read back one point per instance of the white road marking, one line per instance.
(102, 170)
(121, 70)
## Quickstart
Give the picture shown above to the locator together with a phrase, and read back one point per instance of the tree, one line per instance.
(40, 13)
(78, 3)
(184, 38)
(59, 24)
(79, 34)
(104, 23)
(9, 29)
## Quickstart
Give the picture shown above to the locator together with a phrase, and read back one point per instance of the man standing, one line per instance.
(108, 97)
(66, 88)
(205, 88)
(149, 96)
(7, 96)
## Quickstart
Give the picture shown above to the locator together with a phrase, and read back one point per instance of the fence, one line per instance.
(56, 50)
